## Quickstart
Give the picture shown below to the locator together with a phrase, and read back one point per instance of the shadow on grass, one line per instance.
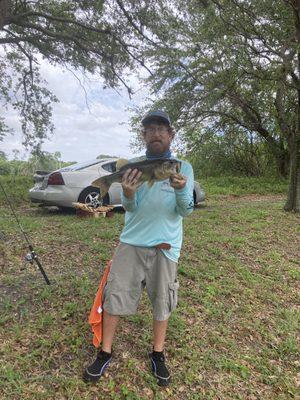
(57, 211)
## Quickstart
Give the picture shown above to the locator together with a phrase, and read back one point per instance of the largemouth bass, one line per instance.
(152, 170)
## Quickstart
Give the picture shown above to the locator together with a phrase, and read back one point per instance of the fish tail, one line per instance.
(104, 187)
(103, 184)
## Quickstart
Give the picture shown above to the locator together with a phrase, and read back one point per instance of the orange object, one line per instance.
(95, 318)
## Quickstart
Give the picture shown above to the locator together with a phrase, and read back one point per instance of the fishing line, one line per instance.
(32, 256)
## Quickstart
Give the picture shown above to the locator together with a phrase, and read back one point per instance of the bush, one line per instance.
(233, 153)
(16, 188)
(4, 167)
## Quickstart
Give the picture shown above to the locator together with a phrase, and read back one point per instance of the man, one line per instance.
(149, 248)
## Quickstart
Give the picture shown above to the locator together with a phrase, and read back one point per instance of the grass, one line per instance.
(233, 335)
(239, 186)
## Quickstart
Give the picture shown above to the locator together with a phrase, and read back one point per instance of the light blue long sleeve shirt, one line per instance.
(155, 214)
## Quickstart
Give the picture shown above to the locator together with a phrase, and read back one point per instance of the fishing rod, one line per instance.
(32, 256)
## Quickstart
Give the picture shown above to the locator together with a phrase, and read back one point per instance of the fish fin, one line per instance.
(150, 182)
(104, 185)
(120, 163)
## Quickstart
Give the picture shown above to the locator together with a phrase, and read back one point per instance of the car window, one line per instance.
(85, 165)
(79, 166)
(110, 167)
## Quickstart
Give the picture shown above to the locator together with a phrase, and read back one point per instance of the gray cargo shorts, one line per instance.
(134, 268)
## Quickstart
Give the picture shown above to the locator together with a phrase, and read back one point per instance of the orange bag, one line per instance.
(95, 318)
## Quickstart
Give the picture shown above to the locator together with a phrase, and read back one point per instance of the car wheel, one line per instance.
(91, 197)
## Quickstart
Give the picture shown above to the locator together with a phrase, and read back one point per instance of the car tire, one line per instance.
(89, 196)
(194, 196)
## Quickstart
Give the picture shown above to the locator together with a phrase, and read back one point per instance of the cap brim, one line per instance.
(154, 118)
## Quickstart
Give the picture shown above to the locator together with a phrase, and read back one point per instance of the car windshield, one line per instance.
(79, 166)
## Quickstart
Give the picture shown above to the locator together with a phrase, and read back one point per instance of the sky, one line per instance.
(82, 131)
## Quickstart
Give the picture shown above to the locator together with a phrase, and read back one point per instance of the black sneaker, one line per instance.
(159, 369)
(94, 371)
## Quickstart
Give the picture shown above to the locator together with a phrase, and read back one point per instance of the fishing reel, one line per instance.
(33, 258)
(30, 257)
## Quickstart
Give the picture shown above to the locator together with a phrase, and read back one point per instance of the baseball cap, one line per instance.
(154, 115)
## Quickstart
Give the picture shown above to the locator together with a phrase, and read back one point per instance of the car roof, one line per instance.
(86, 164)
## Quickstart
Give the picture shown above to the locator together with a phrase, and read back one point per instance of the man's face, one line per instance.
(158, 137)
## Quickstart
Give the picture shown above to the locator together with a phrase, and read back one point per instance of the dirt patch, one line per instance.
(251, 197)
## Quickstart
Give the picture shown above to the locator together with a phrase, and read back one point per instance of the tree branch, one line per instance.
(61, 36)
(133, 24)
(20, 17)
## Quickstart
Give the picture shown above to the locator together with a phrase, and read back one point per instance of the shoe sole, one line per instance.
(163, 382)
(87, 377)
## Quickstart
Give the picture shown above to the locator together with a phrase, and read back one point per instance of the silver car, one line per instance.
(72, 184)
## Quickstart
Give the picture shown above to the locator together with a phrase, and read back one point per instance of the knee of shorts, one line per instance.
(121, 302)
(158, 316)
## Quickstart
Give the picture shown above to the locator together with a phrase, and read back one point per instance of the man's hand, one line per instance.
(130, 182)
(178, 181)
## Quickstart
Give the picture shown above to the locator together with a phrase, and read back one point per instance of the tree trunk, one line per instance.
(282, 164)
(293, 200)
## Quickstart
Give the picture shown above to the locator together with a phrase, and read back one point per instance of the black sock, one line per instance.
(105, 354)
(157, 354)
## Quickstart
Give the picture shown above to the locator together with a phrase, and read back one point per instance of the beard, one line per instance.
(157, 147)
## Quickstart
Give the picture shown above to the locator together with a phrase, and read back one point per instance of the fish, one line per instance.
(152, 171)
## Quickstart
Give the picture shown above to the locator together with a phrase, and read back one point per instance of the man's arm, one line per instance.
(184, 187)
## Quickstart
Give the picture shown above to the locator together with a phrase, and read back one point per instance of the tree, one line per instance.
(81, 35)
(230, 64)
(101, 156)
(44, 161)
